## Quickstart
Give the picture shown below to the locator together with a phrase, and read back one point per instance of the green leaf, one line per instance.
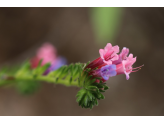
(101, 96)
(101, 90)
(106, 87)
(96, 102)
(24, 69)
(90, 96)
(92, 87)
(27, 87)
(86, 100)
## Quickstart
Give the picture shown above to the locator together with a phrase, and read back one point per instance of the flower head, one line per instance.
(48, 53)
(110, 63)
(125, 67)
(109, 53)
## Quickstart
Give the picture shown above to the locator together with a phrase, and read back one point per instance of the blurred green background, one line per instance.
(105, 21)
(78, 34)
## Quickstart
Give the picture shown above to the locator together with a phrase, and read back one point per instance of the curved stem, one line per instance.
(39, 78)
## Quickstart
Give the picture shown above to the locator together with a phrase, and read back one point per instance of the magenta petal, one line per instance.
(127, 76)
(108, 47)
(96, 63)
(116, 49)
(124, 53)
(101, 51)
(47, 52)
(109, 62)
(116, 57)
(130, 56)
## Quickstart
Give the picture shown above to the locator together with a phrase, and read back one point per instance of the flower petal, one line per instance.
(115, 57)
(111, 67)
(112, 73)
(109, 62)
(127, 76)
(101, 51)
(108, 71)
(105, 77)
(115, 49)
(108, 47)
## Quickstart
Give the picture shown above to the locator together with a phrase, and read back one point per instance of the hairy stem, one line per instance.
(8, 80)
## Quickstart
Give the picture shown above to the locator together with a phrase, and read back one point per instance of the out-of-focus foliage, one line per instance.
(106, 21)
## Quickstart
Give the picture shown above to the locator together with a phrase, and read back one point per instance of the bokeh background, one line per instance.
(78, 34)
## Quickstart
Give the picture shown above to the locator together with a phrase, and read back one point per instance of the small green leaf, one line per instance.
(101, 90)
(27, 87)
(90, 96)
(106, 87)
(96, 102)
(86, 100)
(101, 96)
(92, 87)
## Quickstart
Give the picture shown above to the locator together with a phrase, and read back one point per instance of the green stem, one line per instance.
(39, 78)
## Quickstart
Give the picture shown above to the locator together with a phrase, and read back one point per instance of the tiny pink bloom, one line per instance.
(122, 56)
(126, 66)
(47, 52)
(109, 53)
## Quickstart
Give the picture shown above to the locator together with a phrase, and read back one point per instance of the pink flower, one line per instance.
(125, 67)
(47, 53)
(109, 53)
(122, 56)
(109, 59)
(105, 68)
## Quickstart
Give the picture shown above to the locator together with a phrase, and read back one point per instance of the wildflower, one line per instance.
(108, 54)
(125, 67)
(111, 64)
(48, 54)
(122, 56)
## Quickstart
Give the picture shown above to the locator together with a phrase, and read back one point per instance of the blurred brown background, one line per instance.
(23, 30)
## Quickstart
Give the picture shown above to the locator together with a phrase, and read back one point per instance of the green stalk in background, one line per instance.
(105, 21)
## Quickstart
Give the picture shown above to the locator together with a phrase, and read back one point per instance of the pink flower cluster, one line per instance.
(110, 63)
(48, 53)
